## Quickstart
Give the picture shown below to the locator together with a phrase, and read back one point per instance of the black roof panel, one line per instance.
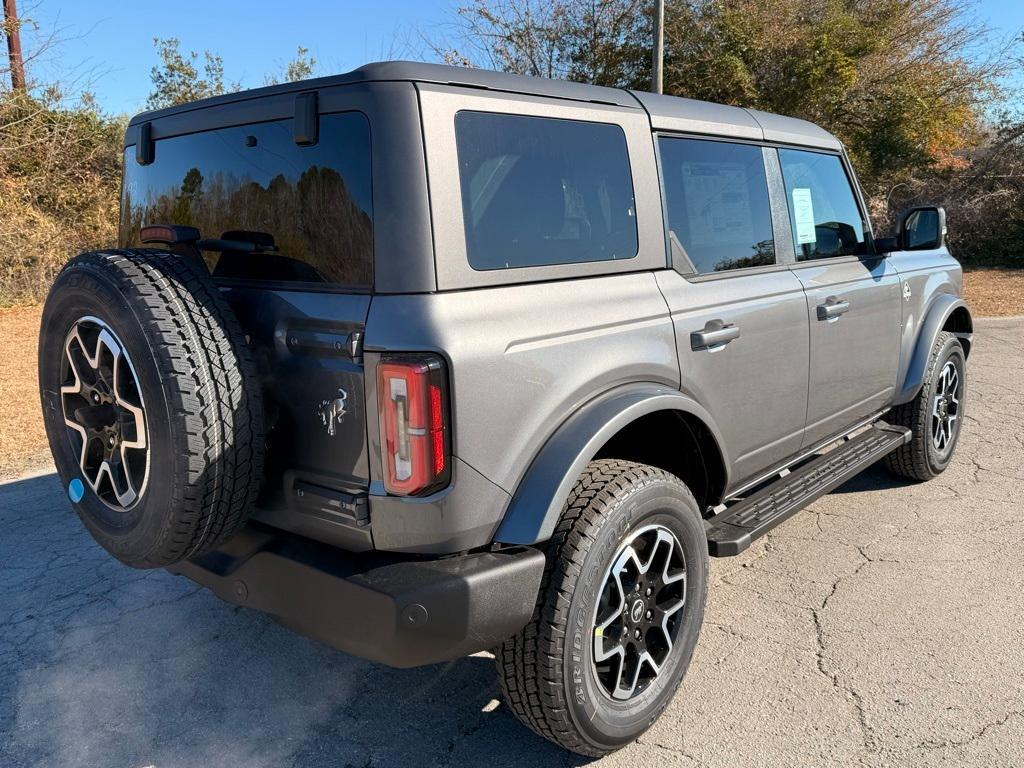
(423, 73)
(667, 112)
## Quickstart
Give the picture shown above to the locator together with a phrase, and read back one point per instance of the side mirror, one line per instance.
(922, 229)
(886, 245)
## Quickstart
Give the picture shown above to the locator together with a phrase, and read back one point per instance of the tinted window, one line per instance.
(308, 208)
(716, 195)
(539, 191)
(822, 209)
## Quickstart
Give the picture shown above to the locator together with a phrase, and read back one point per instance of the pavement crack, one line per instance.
(868, 737)
(956, 743)
(674, 750)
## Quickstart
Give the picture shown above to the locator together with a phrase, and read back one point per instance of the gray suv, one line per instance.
(425, 361)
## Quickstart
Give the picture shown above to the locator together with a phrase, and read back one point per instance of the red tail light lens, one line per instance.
(412, 397)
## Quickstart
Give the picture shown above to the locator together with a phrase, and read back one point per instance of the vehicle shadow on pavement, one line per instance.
(101, 664)
(875, 478)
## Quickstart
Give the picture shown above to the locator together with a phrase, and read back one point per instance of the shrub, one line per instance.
(60, 171)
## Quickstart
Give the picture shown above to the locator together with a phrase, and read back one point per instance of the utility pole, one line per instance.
(659, 46)
(12, 28)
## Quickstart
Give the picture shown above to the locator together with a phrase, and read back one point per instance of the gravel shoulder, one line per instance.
(880, 627)
(23, 445)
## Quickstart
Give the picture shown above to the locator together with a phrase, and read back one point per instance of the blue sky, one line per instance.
(108, 45)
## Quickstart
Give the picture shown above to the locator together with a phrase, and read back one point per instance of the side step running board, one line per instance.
(732, 531)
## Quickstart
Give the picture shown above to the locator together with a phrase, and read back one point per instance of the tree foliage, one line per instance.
(60, 162)
(176, 79)
(898, 81)
(302, 67)
(60, 169)
(907, 85)
(983, 196)
(605, 42)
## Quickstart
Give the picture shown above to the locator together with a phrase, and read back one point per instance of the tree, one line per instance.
(605, 42)
(901, 82)
(302, 67)
(59, 178)
(176, 78)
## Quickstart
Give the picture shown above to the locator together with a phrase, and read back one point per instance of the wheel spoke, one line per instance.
(946, 407)
(635, 617)
(136, 412)
(104, 412)
(952, 378)
(616, 649)
(624, 692)
(619, 606)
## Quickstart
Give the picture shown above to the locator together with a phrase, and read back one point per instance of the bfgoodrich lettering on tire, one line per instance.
(151, 405)
(618, 614)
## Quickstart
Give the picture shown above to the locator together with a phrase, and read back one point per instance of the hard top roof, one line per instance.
(668, 113)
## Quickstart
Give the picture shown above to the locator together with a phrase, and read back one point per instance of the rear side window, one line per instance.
(308, 209)
(716, 197)
(822, 208)
(540, 191)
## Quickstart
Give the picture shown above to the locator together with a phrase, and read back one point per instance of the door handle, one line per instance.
(714, 333)
(832, 308)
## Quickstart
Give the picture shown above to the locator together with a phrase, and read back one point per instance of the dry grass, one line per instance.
(995, 292)
(23, 445)
(23, 448)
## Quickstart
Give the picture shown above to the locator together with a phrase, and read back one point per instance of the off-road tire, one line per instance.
(203, 407)
(919, 459)
(548, 689)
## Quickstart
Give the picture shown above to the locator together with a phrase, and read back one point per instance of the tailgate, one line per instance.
(308, 350)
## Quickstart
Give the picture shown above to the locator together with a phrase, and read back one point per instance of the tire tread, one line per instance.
(911, 460)
(209, 383)
(529, 663)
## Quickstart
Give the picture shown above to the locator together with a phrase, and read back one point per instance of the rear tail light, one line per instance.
(412, 394)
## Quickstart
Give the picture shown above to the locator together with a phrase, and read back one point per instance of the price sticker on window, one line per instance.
(803, 216)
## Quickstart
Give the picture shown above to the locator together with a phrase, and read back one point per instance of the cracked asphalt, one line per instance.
(881, 627)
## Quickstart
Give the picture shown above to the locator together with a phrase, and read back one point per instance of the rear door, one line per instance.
(740, 315)
(296, 263)
(854, 305)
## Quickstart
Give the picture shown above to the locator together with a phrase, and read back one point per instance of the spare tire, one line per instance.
(151, 404)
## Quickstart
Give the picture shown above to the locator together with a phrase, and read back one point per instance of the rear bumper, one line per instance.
(400, 612)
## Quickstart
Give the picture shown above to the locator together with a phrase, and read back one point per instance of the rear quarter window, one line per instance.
(309, 207)
(540, 191)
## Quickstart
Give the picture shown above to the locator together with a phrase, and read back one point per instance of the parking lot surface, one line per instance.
(882, 626)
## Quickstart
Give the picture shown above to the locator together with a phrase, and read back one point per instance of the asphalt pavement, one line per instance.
(882, 626)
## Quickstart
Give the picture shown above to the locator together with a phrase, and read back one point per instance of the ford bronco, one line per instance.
(425, 361)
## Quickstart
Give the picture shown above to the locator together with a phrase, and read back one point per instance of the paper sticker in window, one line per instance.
(718, 203)
(803, 216)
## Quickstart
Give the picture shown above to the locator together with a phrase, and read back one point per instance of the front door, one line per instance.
(740, 316)
(854, 305)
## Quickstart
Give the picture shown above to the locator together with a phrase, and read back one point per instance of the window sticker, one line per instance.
(803, 216)
(718, 202)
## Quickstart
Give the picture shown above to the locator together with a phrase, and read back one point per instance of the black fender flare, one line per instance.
(935, 319)
(532, 514)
